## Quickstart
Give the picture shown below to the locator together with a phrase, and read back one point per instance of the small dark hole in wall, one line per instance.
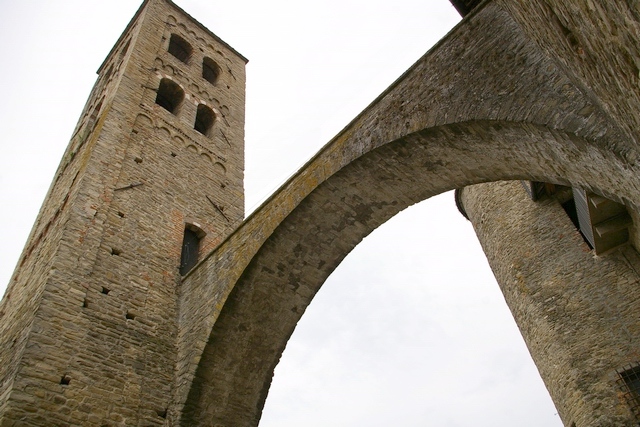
(115, 251)
(130, 316)
(173, 154)
(121, 214)
(85, 303)
(65, 380)
(162, 414)
(138, 160)
(105, 290)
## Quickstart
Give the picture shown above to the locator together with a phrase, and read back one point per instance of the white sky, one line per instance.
(411, 329)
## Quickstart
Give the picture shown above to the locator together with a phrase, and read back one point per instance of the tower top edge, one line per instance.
(141, 9)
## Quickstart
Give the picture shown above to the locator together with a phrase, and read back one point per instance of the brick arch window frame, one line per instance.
(170, 95)
(210, 70)
(191, 243)
(205, 119)
(180, 48)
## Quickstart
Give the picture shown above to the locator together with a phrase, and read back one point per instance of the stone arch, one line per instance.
(474, 109)
(310, 238)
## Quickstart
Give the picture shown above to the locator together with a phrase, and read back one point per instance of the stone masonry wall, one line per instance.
(489, 102)
(27, 284)
(100, 329)
(99, 316)
(576, 311)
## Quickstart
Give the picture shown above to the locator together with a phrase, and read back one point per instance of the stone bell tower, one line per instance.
(151, 180)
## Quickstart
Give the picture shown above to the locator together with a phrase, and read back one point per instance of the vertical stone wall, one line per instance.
(24, 291)
(89, 320)
(577, 311)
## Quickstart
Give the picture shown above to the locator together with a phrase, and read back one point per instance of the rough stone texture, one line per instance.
(487, 103)
(508, 94)
(88, 331)
(577, 311)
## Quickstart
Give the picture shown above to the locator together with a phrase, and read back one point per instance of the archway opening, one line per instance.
(410, 329)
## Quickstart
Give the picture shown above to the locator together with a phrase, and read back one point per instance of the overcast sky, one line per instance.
(411, 329)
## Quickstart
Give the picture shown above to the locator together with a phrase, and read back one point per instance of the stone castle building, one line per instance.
(143, 296)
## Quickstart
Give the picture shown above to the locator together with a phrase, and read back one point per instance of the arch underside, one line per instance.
(474, 109)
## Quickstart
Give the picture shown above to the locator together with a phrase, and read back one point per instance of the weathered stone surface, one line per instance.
(577, 311)
(102, 329)
(472, 96)
(88, 332)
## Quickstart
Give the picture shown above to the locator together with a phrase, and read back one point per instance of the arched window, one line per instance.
(210, 70)
(204, 120)
(190, 248)
(170, 95)
(180, 48)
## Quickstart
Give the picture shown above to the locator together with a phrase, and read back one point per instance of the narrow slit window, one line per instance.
(190, 248)
(204, 120)
(170, 95)
(180, 48)
(210, 70)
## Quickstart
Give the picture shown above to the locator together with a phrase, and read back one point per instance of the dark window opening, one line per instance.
(170, 95)
(569, 207)
(190, 248)
(629, 380)
(180, 48)
(210, 70)
(204, 119)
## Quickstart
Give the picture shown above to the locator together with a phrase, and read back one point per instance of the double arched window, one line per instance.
(170, 95)
(182, 50)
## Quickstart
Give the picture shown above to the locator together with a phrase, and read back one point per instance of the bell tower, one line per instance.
(151, 180)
